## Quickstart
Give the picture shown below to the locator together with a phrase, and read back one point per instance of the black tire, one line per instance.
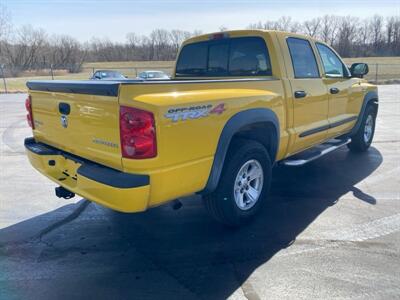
(221, 203)
(359, 142)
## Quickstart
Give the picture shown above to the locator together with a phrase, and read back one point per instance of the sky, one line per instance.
(85, 19)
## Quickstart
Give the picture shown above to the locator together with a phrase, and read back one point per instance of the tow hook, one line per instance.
(64, 193)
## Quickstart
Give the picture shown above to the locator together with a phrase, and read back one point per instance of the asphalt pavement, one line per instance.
(332, 232)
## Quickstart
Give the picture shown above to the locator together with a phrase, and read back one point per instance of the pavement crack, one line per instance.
(75, 214)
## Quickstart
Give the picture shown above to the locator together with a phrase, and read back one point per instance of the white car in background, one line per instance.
(153, 75)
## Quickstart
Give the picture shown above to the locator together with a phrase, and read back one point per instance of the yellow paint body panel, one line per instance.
(92, 117)
(186, 149)
(127, 200)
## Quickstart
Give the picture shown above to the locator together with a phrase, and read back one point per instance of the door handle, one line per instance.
(64, 108)
(300, 94)
(334, 90)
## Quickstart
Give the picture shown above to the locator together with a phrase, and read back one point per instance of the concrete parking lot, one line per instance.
(333, 231)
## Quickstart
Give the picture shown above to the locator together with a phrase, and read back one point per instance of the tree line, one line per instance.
(27, 48)
(350, 36)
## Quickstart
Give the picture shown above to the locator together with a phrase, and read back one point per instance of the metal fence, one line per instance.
(381, 73)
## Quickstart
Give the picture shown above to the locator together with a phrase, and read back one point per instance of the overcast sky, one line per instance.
(85, 19)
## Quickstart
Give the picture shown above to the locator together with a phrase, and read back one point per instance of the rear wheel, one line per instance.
(362, 140)
(244, 184)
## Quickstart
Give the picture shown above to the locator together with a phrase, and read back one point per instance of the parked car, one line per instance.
(239, 102)
(153, 75)
(107, 75)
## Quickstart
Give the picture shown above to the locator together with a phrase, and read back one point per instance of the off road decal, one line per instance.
(194, 112)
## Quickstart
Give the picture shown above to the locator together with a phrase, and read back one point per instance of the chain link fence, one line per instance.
(380, 73)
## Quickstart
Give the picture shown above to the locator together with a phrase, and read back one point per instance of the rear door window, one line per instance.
(303, 58)
(247, 56)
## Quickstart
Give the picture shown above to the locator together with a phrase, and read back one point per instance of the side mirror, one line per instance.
(359, 70)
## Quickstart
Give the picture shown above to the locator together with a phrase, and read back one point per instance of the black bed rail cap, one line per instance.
(91, 87)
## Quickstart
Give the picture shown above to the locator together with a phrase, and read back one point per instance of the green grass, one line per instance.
(388, 69)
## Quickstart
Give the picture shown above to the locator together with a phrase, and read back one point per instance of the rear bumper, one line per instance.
(112, 188)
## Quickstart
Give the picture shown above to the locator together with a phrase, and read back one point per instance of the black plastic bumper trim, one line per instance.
(92, 170)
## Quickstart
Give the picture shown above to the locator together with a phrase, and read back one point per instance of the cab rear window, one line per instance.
(246, 56)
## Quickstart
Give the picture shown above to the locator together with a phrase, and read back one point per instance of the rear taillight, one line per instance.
(29, 116)
(138, 133)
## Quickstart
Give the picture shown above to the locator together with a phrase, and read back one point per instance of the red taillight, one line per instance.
(29, 116)
(138, 133)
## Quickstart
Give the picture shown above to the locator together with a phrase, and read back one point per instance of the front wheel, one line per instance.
(243, 186)
(362, 140)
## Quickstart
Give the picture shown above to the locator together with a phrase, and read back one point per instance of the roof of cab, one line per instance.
(241, 33)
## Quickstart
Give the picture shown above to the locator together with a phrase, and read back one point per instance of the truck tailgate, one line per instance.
(85, 123)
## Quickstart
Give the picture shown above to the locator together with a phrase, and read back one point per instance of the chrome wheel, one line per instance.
(368, 128)
(248, 184)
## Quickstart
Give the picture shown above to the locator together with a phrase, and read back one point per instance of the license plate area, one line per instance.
(63, 170)
(69, 169)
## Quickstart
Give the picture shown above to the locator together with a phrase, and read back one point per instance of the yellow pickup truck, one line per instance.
(238, 102)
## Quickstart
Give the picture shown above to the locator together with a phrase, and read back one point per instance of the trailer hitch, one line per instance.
(64, 193)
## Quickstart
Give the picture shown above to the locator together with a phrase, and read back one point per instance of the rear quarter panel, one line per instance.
(186, 148)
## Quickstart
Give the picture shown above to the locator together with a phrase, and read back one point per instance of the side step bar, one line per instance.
(306, 156)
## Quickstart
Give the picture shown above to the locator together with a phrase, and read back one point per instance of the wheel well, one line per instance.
(374, 104)
(264, 133)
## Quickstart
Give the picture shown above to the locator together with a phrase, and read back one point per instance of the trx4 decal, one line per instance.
(194, 112)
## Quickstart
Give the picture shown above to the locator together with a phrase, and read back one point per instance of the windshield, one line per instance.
(246, 56)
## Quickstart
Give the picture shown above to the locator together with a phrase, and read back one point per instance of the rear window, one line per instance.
(247, 56)
(303, 59)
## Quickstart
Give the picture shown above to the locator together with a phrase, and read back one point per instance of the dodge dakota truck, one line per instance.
(238, 102)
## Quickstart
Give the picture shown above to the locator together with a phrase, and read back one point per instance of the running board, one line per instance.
(306, 156)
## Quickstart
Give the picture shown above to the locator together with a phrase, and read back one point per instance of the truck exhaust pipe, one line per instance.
(176, 204)
(64, 193)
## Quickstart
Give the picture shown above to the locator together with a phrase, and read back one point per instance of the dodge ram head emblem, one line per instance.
(64, 121)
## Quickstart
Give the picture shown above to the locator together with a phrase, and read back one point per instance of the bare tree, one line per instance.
(312, 27)
(177, 37)
(22, 51)
(376, 29)
(27, 48)
(5, 22)
(328, 28)
(346, 35)
(66, 52)
(160, 42)
(284, 24)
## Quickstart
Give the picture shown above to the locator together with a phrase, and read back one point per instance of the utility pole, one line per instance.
(4, 78)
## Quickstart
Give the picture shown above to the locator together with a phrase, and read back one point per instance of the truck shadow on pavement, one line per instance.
(171, 254)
